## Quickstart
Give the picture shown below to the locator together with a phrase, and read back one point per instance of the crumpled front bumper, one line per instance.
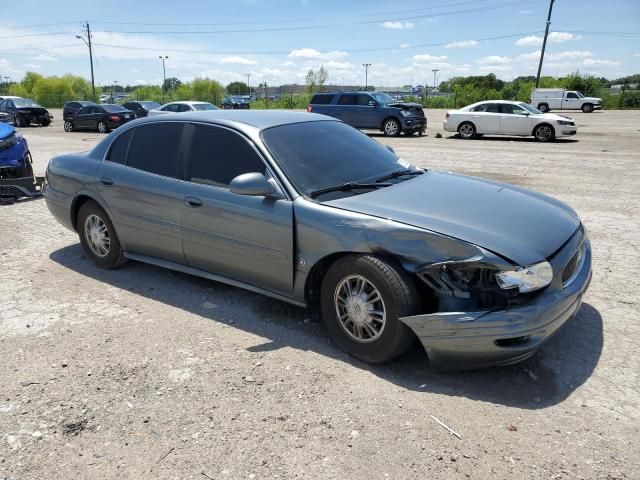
(467, 340)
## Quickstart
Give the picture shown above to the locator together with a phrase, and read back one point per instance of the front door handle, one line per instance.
(192, 202)
(106, 181)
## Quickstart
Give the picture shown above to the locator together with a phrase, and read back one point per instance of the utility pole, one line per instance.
(164, 75)
(366, 76)
(87, 41)
(544, 43)
(435, 72)
(248, 84)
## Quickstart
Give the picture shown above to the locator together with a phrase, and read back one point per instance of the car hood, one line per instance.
(523, 226)
(6, 130)
(591, 99)
(405, 105)
(552, 117)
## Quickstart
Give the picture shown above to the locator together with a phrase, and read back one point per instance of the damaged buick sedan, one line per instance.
(306, 209)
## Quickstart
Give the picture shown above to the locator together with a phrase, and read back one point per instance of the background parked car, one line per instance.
(183, 106)
(546, 99)
(502, 117)
(71, 108)
(102, 118)
(371, 110)
(141, 108)
(235, 102)
(24, 112)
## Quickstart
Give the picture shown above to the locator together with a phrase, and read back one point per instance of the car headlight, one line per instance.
(526, 279)
(564, 122)
(406, 113)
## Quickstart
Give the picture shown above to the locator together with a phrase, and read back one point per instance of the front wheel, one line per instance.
(102, 127)
(391, 127)
(587, 108)
(544, 133)
(98, 236)
(68, 126)
(19, 122)
(362, 299)
(467, 130)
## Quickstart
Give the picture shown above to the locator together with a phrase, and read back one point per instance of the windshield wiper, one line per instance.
(348, 186)
(399, 173)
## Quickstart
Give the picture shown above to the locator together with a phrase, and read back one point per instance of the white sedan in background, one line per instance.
(179, 107)
(503, 117)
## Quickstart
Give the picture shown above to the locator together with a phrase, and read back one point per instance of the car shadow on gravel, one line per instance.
(502, 138)
(564, 363)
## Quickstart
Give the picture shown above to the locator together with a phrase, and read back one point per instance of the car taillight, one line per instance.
(114, 118)
(309, 109)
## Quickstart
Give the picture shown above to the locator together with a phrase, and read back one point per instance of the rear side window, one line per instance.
(492, 108)
(219, 155)
(348, 99)
(118, 151)
(321, 99)
(154, 148)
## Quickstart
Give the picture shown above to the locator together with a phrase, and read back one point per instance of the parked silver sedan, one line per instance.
(306, 209)
(503, 117)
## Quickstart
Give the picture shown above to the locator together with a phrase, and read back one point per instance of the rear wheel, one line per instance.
(391, 127)
(68, 126)
(102, 127)
(98, 237)
(467, 130)
(544, 133)
(587, 108)
(543, 107)
(362, 299)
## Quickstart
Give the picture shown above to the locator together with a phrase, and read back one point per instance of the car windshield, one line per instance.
(382, 98)
(150, 105)
(113, 108)
(204, 106)
(579, 95)
(328, 153)
(24, 102)
(529, 108)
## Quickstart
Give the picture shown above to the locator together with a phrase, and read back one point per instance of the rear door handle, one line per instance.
(106, 181)
(192, 202)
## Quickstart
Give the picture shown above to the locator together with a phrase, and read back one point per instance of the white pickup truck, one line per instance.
(545, 99)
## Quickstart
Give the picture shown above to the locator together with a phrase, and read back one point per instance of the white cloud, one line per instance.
(525, 12)
(398, 25)
(493, 60)
(44, 58)
(637, 55)
(4, 63)
(288, 63)
(32, 66)
(462, 44)
(406, 45)
(554, 37)
(333, 65)
(238, 60)
(426, 58)
(555, 57)
(495, 68)
(315, 54)
(590, 62)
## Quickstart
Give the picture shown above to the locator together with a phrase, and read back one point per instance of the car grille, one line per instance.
(11, 191)
(572, 268)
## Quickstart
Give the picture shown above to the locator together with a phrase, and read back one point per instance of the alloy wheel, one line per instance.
(97, 236)
(102, 127)
(360, 309)
(68, 126)
(466, 130)
(391, 128)
(544, 133)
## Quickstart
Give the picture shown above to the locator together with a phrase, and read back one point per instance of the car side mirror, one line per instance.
(372, 103)
(391, 149)
(254, 184)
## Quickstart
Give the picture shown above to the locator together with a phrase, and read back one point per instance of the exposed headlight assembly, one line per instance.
(526, 279)
(564, 122)
(406, 113)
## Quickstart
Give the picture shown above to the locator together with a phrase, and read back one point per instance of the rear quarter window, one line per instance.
(118, 151)
(322, 99)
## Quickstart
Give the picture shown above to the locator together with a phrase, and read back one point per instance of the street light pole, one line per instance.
(164, 75)
(87, 41)
(248, 84)
(544, 43)
(366, 76)
(435, 72)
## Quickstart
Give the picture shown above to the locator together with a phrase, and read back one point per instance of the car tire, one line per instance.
(19, 122)
(544, 133)
(587, 108)
(467, 130)
(94, 226)
(68, 126)
(102, 127)
(391, 127)
(45, 123)
(374, 285)
(543, 107)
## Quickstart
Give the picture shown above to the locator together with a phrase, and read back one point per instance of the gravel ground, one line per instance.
(145, 373)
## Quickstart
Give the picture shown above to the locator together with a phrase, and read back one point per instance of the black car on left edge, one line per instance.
(102, 118)
(141, 108)
(23, 112)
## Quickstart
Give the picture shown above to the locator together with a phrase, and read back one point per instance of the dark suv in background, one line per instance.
(141, 109)
(71, 108)
(371, 110)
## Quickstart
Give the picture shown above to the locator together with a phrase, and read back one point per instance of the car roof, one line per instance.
(259, 119)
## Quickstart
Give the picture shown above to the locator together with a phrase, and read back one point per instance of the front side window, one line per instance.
(154, 148)
(364, 99)
(571, 95)
(218, 155)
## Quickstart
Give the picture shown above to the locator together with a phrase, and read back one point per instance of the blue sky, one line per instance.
(278, 41)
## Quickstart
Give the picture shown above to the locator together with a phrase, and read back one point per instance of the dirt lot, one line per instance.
(144, 373)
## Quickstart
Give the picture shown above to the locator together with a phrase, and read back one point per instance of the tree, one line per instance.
(171, 83)
(310, 80)
(238, 88)
(321, 78)
(29, 82)
(316, 79)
